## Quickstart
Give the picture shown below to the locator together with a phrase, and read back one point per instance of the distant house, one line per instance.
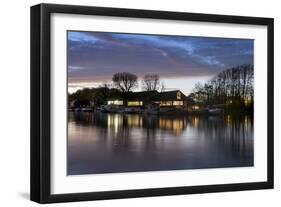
(144, 98)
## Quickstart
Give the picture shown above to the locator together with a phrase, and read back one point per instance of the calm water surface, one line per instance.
(109, 143)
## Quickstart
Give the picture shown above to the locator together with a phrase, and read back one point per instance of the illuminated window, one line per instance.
(166, 103)
(135, 103)
(178, 95)
(115, 102)
(177, 103)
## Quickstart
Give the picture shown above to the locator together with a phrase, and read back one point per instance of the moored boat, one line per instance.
(215, 111)
(132, 110)
(87, 109)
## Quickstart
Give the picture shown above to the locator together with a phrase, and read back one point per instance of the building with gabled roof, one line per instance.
(143, 98)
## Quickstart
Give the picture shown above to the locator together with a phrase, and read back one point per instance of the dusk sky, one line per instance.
(180, 61)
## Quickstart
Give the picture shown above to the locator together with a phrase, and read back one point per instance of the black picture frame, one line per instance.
(40, 102)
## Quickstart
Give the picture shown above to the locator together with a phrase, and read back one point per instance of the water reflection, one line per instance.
(106, 143)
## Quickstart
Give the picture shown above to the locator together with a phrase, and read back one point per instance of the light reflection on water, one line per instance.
(108, 143)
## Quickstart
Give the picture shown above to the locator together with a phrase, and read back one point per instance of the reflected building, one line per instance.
(114, 142)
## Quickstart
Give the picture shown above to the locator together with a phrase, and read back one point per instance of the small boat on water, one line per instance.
(86, 109)
(152, 111)
(208, 111)
(132, 110)
(77, 110)
(215, 111)
(110, 109)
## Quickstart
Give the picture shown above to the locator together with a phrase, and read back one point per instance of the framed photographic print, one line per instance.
(132, 103)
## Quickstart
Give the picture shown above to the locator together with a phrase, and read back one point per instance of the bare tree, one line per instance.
(125, 81)
(234, 85)
(162, 88)
(151, 82)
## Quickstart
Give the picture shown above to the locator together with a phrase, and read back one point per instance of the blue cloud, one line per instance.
(100, 54)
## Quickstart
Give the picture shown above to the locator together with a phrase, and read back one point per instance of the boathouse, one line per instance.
(174, 99)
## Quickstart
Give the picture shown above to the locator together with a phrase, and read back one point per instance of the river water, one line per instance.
(114, 143)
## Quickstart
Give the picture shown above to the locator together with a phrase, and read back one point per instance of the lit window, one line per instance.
(166, 103)
(177, 103)
(115, 102)
(178, 95)
(135, 103)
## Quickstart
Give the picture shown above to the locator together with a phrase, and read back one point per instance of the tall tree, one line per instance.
(125, 81)
(151, 82)
(162, 87)
(234, 85)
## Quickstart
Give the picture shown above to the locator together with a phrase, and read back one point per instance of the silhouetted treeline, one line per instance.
(233, 87)
(97, 96)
